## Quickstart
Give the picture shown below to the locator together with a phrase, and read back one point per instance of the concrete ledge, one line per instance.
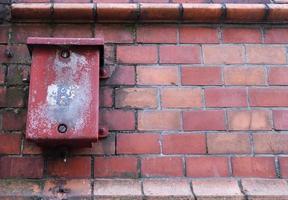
(200, 189)
(145, 12)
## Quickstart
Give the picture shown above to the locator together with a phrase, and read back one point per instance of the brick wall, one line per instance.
(182, 101)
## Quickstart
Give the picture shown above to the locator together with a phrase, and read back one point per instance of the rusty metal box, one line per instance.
(63, 102)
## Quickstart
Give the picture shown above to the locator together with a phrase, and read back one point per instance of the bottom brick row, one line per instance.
(145, 189)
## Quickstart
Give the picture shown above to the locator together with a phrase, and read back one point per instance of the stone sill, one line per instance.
(214, 188)
(145, 12)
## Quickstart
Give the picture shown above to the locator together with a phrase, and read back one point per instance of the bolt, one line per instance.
(65, 54)
(62, 128)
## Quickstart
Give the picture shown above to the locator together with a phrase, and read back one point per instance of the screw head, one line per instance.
(62, 128)
(65, 53)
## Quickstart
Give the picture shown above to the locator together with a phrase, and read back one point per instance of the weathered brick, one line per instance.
(10, 144)
(157, 34)
(244, 75)
(179, 54)
(226, 97)
(106, 97)
(204, 120)
(266, 54)
(277, 76)
(117, 119)
(217, 189)
(210, 167)
(137, 54)
(12, 97)
(265, 188)
(158, 120)
(241, 35)
(122, 75)
(4, 30)
(74, 167)
(109, 55)
(2, 74)
(276, 35)
(22, 187)
(14, 120)
(228, 143)
(283, 161)
(78, 188)
(17, 74)
(136, 98)
(270, 143)
(201, 76)
(268, 97)
(157, 75)
(279, 119)
(184, 144)
(161, 166)
(165, 189)
(249, 120)
(124, 167)
(143, 143)
(77, 30)
(262, 167)
(223, 54)
(114, 33)
(30, 147)
(20, 32)
(190, 34)
(17, 167)
(20, 54)
(181, 97)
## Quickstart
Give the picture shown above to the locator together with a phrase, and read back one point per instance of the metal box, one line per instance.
(63, 101)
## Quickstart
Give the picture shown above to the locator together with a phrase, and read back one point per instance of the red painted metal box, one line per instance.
(64, 91)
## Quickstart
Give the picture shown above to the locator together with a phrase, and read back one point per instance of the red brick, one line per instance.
(257, 54)
(241, 35)
(104, 146)
(124, 167)
(157, 34)
(117, 119)
(106, 97)
(206, 167)
(159, 120)
(20, 54)
(137, 54)
(181, 97)
(74, 167)
(262, 167)
(111, 1)
(10, 144)
(277, 76)
(143, 143)
(2, 74)
(114, 33)
(30, 147)
(228, 143)
(11, 97)
(162, 166)
(122, 75)
(14, 120)
(136, 98)
(280, 119)
(21, 32)
(276, 35)
(157, 75)
(284, 166)
(249, 120)
(226, 97)
(190, 34)
(223, 54)
(268, 97)
(77, 30)
(270, 143)
(17, 74)
(204, 120)
(71, 1)
(21, 167)
(201, 76)
(179, 54)
(184, 144)
(244, 75)
(4, 30)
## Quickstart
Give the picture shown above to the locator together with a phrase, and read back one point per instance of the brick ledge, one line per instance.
(145, 12)
(146, 188)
